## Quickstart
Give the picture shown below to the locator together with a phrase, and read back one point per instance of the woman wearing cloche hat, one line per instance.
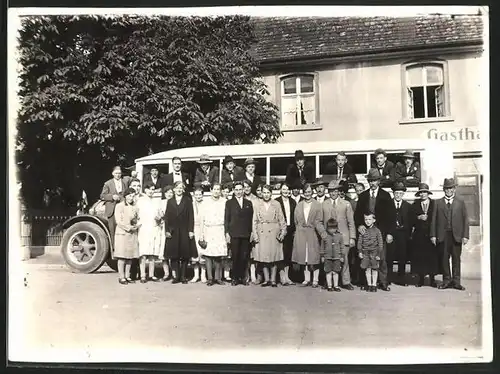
(424, 259)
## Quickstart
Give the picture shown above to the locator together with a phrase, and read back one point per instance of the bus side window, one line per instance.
(190, 167)
(396, 158)
(357, 162)
(279, 167)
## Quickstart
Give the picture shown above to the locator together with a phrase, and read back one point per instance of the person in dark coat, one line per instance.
(424, 256)
(250, 175)
(231, 172)
(179, 231)
(300, 171)
(178, 176)
(409, 172)
(376, 200)
(288, 207)
(340, 170)
(111, 194)
(238, 218)
(449, 231)
(385, 169)
(206, 175)
(296, 188)
(155, 178)
(398, 249)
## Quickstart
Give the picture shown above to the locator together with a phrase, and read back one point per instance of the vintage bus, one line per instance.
(87, 244)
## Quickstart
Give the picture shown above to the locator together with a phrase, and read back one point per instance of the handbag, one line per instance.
(202, 244)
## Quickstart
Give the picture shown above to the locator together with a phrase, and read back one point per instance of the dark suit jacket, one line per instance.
(108, 190)
(160, 182)
(292, 174)
(238, 221)
(293, 205)
(256, 181)
(385, 211)
(388, 174)
(347, 173)
(238, 172)
(168, 180)
(406, 217)
(200, 176)
(459, 220)
(414, 173)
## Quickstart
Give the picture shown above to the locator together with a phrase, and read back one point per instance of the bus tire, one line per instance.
(84, 247)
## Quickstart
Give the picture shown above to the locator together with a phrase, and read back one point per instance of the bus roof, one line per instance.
(263, 150)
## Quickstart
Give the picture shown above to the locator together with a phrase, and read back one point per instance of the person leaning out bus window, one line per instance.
(126, 242)
(339, 169)
(207, 174)
(179, 231)
(111, 194)
(231, 172)
(409, 172)
(250, 175)
(386, 168)
(300, 170)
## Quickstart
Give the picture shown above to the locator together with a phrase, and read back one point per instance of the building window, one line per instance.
(298, 101)
(426, 95)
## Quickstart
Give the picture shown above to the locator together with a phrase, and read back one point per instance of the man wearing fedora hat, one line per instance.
(250, 175)
(206, 175)
(385, 168)
(378, 201)
(231, 172)
(341, 210)
(397, 250)
(300, 170)
(424, 256)
(449, 231)
(320, 187)
(409, 171)
(177, 175)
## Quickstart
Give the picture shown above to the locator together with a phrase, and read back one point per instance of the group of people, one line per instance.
(350, 237)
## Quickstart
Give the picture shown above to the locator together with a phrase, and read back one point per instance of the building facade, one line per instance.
(352, 78)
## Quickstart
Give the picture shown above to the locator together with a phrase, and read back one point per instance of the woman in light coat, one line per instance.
(198, 262)
(306, 244)
(269, 228)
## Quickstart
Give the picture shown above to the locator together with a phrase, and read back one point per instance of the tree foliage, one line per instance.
(100, 90)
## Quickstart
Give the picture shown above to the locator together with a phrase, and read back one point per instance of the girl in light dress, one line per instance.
(168, 193)
(212, 230)
(126, 243)
(151, 231)
(198, 262)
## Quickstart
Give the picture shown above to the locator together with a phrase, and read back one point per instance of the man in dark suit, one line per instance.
(300, 171)
(409, 172)
(111, 194)
(231, 172)
(397, 250)
(238, 228)
(340, 170)
(155, 178)
(288, 206)
(378, 201)
(178, 176)
(449, 231)
(385, 168)
(206, 175)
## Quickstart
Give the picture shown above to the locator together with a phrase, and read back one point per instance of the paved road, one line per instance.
(67, 310)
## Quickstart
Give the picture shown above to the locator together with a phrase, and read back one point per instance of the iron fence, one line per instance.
(42, 229)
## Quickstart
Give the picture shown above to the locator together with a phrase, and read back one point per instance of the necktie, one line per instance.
(373, 194)
(334, 203)
(398, 205)
(340, 172)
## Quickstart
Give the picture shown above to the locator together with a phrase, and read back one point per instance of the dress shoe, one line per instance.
(329, 289)
(305, 284)
(265, 284)
(444, 286)
(315, 285)
(185, 281)
(273, 284)
(349, 287)
(175, 281)
(219, 282)
(234, 283)
(122, 281)
(144, 280)
(384, 287)
(337, 289)
(433, 284)
(459, 287)
(374, 289)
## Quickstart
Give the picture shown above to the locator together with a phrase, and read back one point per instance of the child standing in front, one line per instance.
(370, 246)
(331, 255)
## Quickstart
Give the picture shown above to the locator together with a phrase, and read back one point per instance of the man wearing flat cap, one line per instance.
(379, 202)
(409, 171)
(385, 168)
(231, 172)
(397, 250)
(449, 231)
(341, 210)
(300, 171)
(206, 175)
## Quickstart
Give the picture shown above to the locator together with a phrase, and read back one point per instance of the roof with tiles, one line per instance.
(287, 38)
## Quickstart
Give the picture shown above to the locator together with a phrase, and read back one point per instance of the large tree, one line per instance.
(103, 90)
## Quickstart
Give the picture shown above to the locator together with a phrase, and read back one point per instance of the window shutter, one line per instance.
(410, 103)
(440, 101)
